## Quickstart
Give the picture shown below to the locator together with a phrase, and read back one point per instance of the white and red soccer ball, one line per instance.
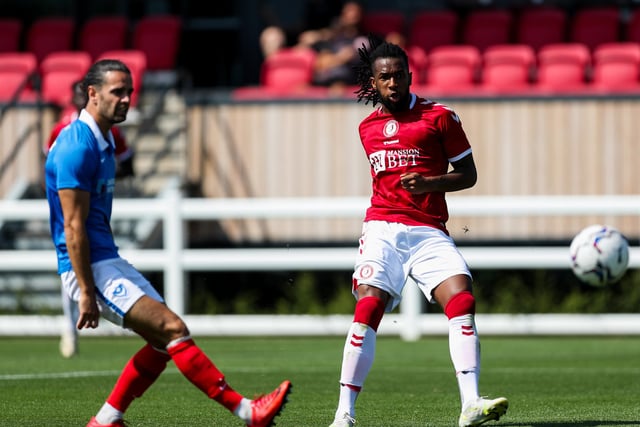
(599, 255)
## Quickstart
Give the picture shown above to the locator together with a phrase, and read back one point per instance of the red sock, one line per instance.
(197, 368)
(137, 376)
(369, 311)
(460, 304)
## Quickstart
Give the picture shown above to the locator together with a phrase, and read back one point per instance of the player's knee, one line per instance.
(460, 304)
(369, 311)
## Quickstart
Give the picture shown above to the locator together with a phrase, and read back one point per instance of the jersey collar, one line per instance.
(90, 121)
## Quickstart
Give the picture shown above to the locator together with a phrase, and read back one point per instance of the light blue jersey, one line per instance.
(82, 159)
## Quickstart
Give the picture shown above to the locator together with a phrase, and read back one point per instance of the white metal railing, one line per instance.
(174, 259)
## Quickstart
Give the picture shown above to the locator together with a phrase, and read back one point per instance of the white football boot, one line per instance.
(482, 410)
(345, 421)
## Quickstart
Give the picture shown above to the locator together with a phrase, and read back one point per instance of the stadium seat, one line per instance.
(616, 66)
(50, 34)
(418, 62)
(158, 37)
(10, 32)
(103, 33)
(563, 67)
(594, 26)
(429, 29)
(508, 68)
(58, 72)
(453, 68)
(382, 23)
(137, 63)
(288, 69)
(16, 71)
(485, 27)
(541, 26)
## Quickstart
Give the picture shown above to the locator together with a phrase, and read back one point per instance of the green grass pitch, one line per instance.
(549, 381)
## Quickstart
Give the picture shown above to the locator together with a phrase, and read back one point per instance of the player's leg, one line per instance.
(378, 280)
(454, 295)
(443, 276)
(458, 303)
(69, 335)
(359, 351)
(147, 315)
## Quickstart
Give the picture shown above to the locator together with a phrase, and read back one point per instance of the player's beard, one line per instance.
(395, 106)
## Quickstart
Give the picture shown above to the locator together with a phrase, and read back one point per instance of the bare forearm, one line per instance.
(78, 248)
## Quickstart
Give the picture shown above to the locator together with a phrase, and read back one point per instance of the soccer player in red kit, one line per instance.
(411, 142)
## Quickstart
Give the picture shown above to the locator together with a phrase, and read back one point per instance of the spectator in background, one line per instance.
(272, 39)
(124, 168)
(337, 48)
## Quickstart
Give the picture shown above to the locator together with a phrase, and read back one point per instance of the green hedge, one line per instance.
(497, 291)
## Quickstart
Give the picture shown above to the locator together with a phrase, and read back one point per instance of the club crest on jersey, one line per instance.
(390, 128)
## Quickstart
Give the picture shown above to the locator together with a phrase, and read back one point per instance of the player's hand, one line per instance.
(413, 182)
(89, 314)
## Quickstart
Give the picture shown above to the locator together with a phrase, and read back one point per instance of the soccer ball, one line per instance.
(599, 255)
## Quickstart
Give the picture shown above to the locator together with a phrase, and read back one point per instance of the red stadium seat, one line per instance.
(453, 68)
(418, 62)
(383, 22)
(10, 31)
(16, 71)
(58, 71)
(563, 67)
(541, 26)
(508, 68)
(429, 29)
(137, 63)
(288, 69)
(158, 36)
(483, 28)
(48, 35)
(616, 66)
(594, 26)
(103, 33)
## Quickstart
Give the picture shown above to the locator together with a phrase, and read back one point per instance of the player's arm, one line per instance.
(462, 175)
(75, 209)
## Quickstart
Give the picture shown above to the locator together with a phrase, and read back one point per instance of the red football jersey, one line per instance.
(122, 150)
(424, 139)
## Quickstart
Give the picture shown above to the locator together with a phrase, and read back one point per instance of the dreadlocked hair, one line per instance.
(369, 53)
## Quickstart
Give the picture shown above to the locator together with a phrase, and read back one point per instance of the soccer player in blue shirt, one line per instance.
(80, 178)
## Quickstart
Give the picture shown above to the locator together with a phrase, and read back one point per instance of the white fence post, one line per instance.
(410, 310)
(173, 241)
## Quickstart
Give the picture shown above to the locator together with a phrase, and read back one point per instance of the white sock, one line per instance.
(108, 414)
(346, 402)
(243, 410)
(464, 347)
(357, 359)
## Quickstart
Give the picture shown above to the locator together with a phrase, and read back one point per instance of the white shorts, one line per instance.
(118, 286)
(389, 253)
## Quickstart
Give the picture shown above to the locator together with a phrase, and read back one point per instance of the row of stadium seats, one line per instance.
(458, 69)
(52, 52)
(24, 79)
(533, 26)
(158, 36)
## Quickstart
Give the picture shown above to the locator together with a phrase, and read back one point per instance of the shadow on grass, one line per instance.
(572, 424)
